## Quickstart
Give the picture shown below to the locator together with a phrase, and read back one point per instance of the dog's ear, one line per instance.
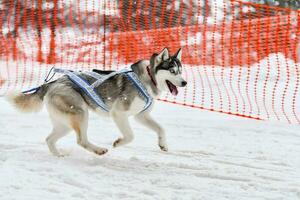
(178, 54)
(162, 56)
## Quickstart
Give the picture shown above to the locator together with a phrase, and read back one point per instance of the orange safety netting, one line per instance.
(239, 58)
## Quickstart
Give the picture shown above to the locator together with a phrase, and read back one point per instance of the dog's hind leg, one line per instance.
(59, 131)
(146, 120)
(122, 123)
(80, 124)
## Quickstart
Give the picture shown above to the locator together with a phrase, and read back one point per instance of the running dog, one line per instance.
(68, 105)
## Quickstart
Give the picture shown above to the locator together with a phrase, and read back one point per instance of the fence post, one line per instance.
(104, 33)
(297, 49)
(52, 57)
(39, 27)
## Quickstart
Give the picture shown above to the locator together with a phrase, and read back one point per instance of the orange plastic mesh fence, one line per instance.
(239, 58)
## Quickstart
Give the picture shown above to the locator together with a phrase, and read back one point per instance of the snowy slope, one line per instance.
(211, 157)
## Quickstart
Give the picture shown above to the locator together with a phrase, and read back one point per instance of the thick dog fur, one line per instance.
(25, 103)
(68, 106)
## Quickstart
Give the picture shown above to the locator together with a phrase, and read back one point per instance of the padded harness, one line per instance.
(90, 89)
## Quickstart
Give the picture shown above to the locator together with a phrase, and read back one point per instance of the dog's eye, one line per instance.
(172, 71)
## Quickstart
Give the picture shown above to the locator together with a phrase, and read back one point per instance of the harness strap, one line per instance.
(32, 90)
(94, 75)
(85, 86)
(104, 78)
(141, 89)
(89, 89)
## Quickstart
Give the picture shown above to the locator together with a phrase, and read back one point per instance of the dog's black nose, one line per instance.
(183, 83)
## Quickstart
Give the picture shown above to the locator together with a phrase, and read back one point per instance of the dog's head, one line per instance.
(168, 71)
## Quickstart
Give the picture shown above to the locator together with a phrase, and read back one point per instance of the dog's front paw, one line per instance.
(163, 147)
(117, 142)
(60, 155)
(64, 153)
(162, 143)
(100, 151)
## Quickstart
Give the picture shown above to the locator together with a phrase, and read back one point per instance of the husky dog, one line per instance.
(68, 105)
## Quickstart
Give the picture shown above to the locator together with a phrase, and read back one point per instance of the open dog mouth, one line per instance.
(172, 88)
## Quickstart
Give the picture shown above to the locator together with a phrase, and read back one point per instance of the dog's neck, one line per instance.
(151, 76)
(146, 75)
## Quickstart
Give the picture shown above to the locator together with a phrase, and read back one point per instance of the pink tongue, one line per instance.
(174, 90)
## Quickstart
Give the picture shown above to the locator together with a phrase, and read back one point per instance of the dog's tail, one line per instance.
(32, 102)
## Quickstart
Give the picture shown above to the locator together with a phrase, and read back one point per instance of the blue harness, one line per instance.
(90, 89)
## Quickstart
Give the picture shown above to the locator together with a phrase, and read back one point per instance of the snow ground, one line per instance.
(211, 157)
